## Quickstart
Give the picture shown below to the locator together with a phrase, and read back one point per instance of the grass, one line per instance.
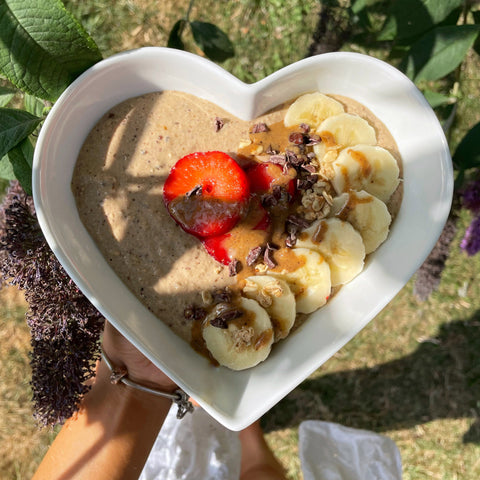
(412, 374)
(23, 444)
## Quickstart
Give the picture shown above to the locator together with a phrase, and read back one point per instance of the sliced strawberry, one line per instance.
(265, 221)
(216, 247)
(206, 193)
(264, 176)
(257, 219)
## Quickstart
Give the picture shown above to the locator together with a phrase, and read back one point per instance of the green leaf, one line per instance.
(42, 47)
(476, 19)
(439, 52)
(409, 18)
(21, 159)
(213, 41)
(6, 94)
(360, 5)
(436, 99)
(467, 154)
(6, 169)
(175, 37)
(34, 105)
(15, 126)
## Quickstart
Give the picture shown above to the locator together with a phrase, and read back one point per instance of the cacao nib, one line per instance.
(271, 151)
(260, 128)
(277, 159)
(197, 190)
(221, 320)
(268, 200)
(306, 182)
(268, 256)
(221, 296)
(234, 267)
(313, 140)
(195, 313)
(297, 221)
(254, 255)
(296, 138)
(219, 123)
(309, 168)
(291, 239)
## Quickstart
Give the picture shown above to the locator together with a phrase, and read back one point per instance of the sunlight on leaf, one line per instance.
(42, 47)
(408, 18)
(6, 95)
(439, 52)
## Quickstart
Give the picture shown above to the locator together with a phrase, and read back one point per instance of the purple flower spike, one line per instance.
(471, 241)
(471, 196)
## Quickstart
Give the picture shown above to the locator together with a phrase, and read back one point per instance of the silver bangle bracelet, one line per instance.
(120, 375)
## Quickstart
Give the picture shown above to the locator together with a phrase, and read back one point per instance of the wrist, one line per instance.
(139, 369)
(120, 376)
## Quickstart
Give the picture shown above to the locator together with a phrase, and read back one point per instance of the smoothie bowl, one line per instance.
(100, 199)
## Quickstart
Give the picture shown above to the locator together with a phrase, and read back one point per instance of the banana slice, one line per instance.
(242, 342)
(340, 244)
(312, 109)
(366, 167)
(275, 296)
(310, 281)
(368, 215)
(344, 130)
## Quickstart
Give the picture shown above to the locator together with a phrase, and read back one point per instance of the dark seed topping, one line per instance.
(271, 151)
(313, 140)
(260, 128)
(253, 255)
(291, 240)
(306, 182)
(296, 138)
(234, 267)
(195, 313)
(268, 255)
(197, 190)
(221, 296)
(309, 168)
(277, 159)
(297, 221)
(219, 123)
(304, 128)
(221, 320)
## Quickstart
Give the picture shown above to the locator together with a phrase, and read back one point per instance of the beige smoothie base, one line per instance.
(118, 184)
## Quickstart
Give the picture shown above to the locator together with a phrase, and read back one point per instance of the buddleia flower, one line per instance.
(65, 327)
(471, 241)
(470, 197)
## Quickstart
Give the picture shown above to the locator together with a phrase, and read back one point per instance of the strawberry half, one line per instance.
(215, 247)
(206, 193)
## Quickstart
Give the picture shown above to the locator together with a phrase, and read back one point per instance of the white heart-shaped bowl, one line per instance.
(236, 399)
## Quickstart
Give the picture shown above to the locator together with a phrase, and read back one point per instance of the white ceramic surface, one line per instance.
(236, 399)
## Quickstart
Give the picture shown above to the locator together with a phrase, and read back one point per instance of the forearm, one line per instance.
(110, 437)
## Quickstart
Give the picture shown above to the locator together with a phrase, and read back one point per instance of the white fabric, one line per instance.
(329, 451)
(199, 448)
(194, 448)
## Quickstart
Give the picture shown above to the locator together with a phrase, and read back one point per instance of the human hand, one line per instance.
(140, 369)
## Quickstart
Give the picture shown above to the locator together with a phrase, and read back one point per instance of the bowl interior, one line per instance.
(236, 399)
